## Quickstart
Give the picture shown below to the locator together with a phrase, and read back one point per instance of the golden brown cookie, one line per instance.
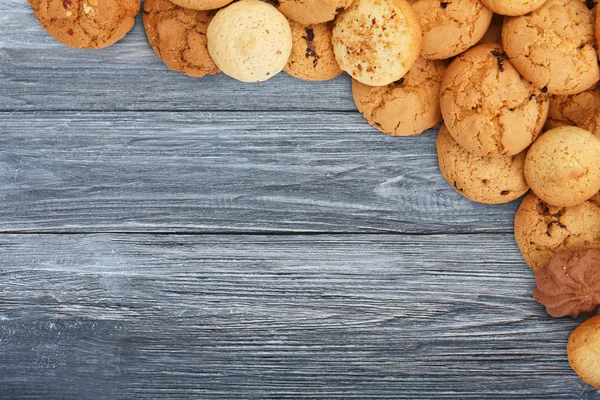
(377, 41)
(311, 12)
(86, 24)
(584, 351)
(487, 106)
(494, 32)
(513, 7)
(573, 110)
(204, 5)
(554, 46)
(488, 180)
(450, 27)
(250, 40)
(178, 37)
(312, 56)
(563, 166)
(405, 108)
(542, 230)
(591, 122)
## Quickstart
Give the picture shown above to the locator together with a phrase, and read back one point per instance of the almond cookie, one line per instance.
(542, 230)
(487, 106)
(554, 46)
(250, 41)
(450, 27)
(513, 7)
(405, 108)
(570, 284)
(584, 351)
(573, 110)
(202, 4)
(377, 41)
(494, 32)
(86, 24)
(312, 56)
(178, 37)
(563, 166)
(311, 12)
(488, 180)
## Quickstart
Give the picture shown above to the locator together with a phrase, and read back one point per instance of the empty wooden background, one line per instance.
(168, 237)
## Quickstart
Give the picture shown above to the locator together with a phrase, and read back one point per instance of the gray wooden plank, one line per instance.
(299, 316)
(38, 73)
(225, 172)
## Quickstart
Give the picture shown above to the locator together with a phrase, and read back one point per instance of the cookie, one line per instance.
(450, 27)
(570, 284)
(487, 106)
(542, 230)
(554, 46)
(563, 166)
(488, 180)
(513, 7)
(591, 122)
(573, 110)
(417, 95)
(312, 56)
(377, 41)
(311, 12)
(178, 37)
(494, 32)
(202, 5)
(250, 41)
(86, 24)
(584, 351)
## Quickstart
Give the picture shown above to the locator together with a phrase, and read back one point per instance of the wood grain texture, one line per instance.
(225, 172)
(38, 73)
(318, 316)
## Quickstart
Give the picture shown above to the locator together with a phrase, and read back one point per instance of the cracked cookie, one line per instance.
(573, 110)
(178, 37)
(311, 12)
(450, 27)
(377, 41)
(513, 7)
(487, 106)
(563, 166)
(312, 56)
(541, 230)
(488, 180)
(407, 107)
(554, 47)
(202, 5)
(584, 351)
(86, 24)
(250, 41)
(591, 122)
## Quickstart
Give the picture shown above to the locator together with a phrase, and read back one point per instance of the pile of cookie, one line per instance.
(514, 82)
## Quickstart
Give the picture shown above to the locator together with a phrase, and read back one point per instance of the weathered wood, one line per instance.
(234, 316)
(208, 172)
(38, 73)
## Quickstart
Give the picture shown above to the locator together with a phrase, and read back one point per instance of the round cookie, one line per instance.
(416, 95)
(584, 351)
(178, 37)
(311, 12)
(488, 180)
(250, 41)
(513, 7)
(450, 27)
(86, 24)
(563, 166)
(487, 106)
(494, 32)
(542, 230)
(312, 56)
(377, 41)
(554, 46)
(202, 5)
(573, 110)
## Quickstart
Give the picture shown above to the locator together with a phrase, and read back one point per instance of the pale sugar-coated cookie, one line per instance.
(407, 107)
(584, 351)
(311, 12)
(377, 41)
(487, 106)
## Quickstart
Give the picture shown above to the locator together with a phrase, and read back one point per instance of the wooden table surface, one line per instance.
(167, 237)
